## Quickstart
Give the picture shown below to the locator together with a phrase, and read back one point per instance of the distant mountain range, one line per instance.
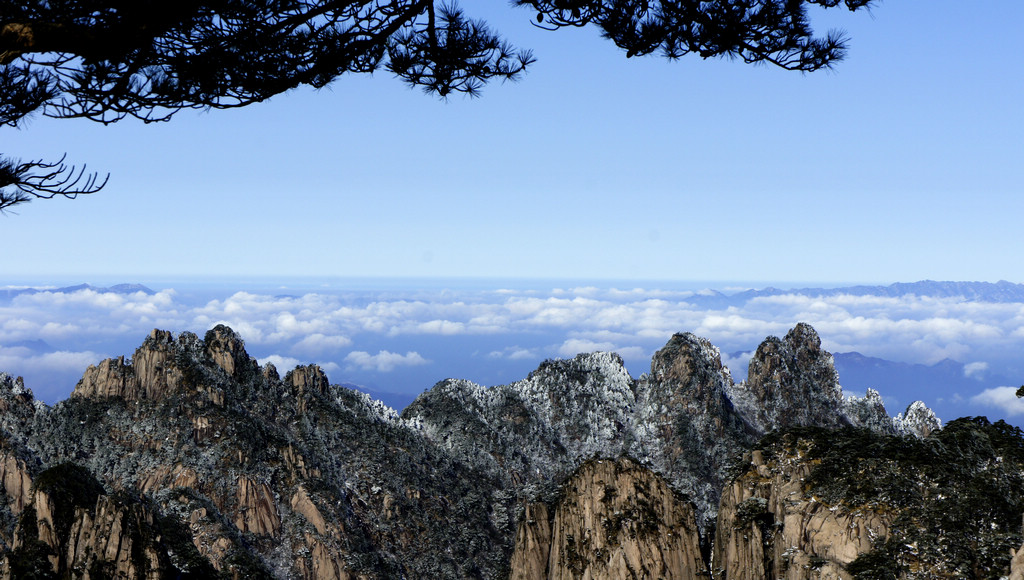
(998, 292)
(9, 293)
(860, 372)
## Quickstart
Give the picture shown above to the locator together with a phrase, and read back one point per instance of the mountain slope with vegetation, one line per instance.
(190, 460)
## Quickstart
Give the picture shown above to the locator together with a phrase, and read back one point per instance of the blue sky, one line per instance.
(901, 164)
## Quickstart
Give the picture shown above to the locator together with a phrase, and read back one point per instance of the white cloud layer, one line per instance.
(909, 328)
(384, 361)
(283, 364)
(1002, 398)
(515, 353)
(342, 330)
(975, 370)
(18, 359)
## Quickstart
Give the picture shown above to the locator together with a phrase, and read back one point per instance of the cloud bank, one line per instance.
(383, 361)
(362, 335)
(1003, 399)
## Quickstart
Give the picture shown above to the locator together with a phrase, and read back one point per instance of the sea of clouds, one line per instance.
(399, 341)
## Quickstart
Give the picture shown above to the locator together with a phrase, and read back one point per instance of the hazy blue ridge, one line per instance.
(10, 293)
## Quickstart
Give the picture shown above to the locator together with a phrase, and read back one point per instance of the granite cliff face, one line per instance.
(71, 528)
(614, 520)
(768, 527)
(851, 503)
(196, 461)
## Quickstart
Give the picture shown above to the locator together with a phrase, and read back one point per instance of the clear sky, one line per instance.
(903, 163)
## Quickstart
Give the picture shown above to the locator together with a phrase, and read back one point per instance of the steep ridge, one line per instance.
(286, 478)
(685, 420)
(535, 432)
(687, 426)
(292, 477)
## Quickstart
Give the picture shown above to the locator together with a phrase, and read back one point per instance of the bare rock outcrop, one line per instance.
(72, 529)
(303, 504)
(153, 372)
(616, 520)
(16, 481)
(164, 364)
(306, 381)
(226, 349)
(167, 477)
(815, 503)
(768, 527)
(325, 556)
(1017, 564)
(257, 511)
(533, 543)
(111, 534)
(794, 382)
(323, 563)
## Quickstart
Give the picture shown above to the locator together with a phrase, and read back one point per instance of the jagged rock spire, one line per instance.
(794, 382)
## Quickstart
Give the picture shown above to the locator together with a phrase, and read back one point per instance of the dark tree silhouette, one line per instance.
(105, 60)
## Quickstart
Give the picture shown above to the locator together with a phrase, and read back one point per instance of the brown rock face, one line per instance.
(309, 378)
(303, 504)
(533, 543)
(306, 380)
(16, 482)
(106, 539)
(1017, 565)
(616, 520)
(227, 350)
(161, 366)
(151, 374)
(324, 564)
(113, 377)
(769, 528)
(166, 476)
(257, 511)
(104, 535)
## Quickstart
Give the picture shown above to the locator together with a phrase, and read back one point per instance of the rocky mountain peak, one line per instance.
(802, 338)
(18, 406)
(595, 385)
(794, 382)
(306, 381)
(152, 372)
(165, 364)
(226, 349)
(690, 363)
(917, 420)
(685, 420)
(308, 378)
(686, 424)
